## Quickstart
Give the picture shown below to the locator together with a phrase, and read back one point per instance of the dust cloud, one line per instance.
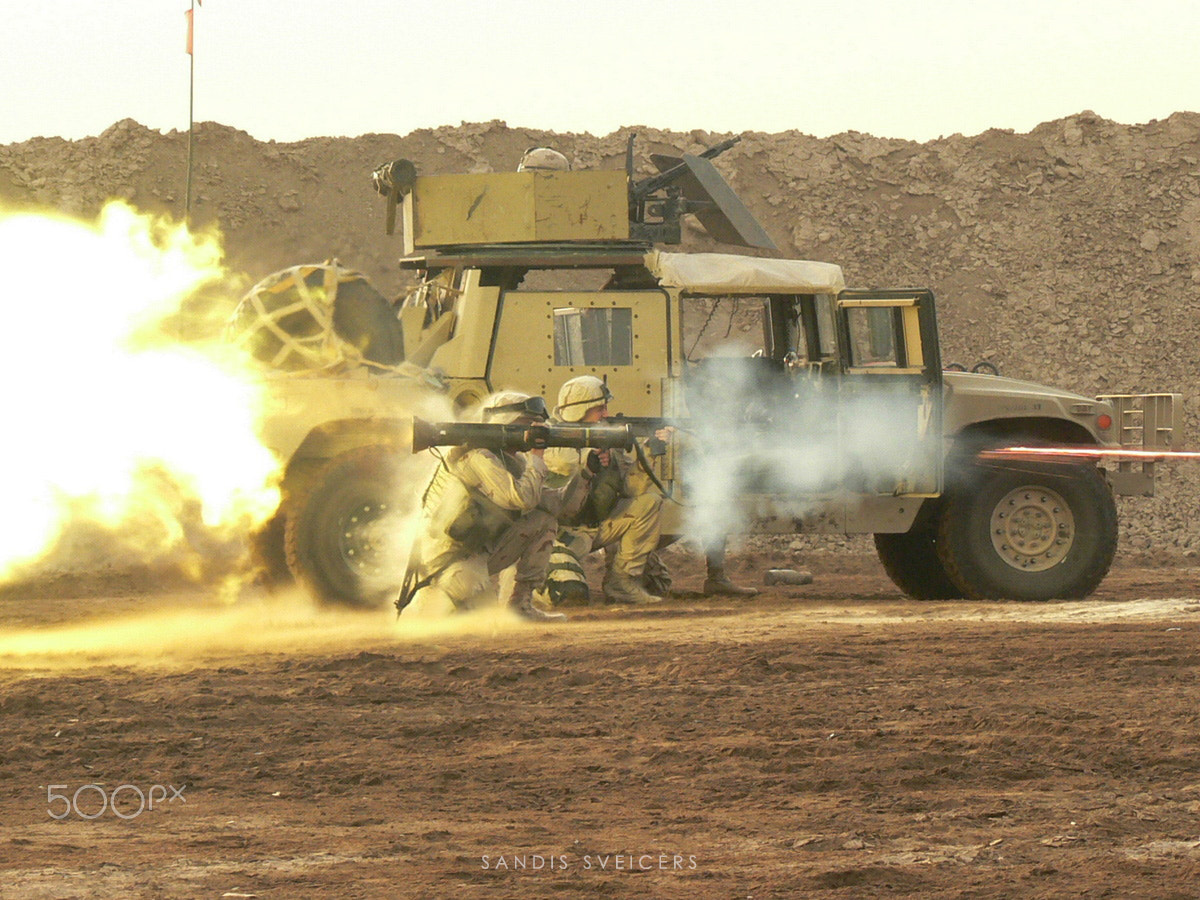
(185, 630)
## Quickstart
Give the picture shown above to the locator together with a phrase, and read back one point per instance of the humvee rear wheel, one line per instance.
(341, 535)
(270, 558)
(1033, 533)
(912, 562)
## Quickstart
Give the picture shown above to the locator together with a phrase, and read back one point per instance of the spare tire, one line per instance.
(314, 317)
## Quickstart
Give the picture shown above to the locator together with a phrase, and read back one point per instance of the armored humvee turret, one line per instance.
(826, 409)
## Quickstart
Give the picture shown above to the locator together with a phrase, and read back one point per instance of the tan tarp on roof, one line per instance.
(724, 273)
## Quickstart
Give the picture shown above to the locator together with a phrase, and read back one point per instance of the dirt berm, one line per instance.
(1069, 255)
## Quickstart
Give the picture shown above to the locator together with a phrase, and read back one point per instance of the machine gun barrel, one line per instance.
(496, 436)
(648, 186)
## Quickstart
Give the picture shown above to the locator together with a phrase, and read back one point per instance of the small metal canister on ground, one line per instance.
(787, 576)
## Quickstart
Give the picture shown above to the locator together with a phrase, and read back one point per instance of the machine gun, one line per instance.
(690, 184)
(671, 170)
(497, 436)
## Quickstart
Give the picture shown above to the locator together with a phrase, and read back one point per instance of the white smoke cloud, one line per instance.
(797, 439)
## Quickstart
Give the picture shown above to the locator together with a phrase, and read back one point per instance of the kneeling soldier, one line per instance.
(615, 514)
(481, 518)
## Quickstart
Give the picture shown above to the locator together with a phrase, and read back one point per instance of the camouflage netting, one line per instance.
(1069, 255)
(318, 318)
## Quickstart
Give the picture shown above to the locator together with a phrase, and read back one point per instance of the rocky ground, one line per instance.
(829, 740)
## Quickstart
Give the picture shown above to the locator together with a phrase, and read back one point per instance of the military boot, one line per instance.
(522, 604)
(718, 584)
(627, 590)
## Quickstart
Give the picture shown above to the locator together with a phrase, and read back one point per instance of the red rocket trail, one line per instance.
(1065, 453)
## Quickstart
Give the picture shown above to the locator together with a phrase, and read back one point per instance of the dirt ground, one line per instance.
(827, 740)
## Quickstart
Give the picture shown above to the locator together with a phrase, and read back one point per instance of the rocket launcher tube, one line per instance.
(497, 436)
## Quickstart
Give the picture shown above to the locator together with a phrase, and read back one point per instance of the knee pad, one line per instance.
(465, 582)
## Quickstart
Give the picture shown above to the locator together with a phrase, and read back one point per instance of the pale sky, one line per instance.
(291, 69)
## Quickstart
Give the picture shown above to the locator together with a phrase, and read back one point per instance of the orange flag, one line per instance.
(188, 14)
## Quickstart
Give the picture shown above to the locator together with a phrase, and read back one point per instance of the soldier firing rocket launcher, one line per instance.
(504, 436)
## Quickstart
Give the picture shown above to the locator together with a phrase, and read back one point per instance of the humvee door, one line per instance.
(544, 338)
(890, 404)
(841, 403)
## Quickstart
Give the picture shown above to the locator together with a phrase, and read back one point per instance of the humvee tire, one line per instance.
(1036, 532)
(269, 557)
(337, 534)
(912, 562)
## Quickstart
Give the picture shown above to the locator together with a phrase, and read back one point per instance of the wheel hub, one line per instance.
(362, 540)
(1032, 528)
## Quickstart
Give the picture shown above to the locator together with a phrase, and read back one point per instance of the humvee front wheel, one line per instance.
(341, 534)
(1033, 533)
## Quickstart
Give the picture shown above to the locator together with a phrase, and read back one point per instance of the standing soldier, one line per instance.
(481, 518)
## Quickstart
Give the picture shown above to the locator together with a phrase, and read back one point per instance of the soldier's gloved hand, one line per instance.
(537, 437)
(597, 460)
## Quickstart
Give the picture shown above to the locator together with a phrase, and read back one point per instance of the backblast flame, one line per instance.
(131, 436)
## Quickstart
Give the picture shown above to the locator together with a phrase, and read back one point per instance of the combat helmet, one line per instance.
(580, 394)
(543, 159)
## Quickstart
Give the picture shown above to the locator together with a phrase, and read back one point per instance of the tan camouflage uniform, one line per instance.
(519, 551)
(630, 530)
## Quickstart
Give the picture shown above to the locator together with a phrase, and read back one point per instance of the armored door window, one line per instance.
(873, 336)
(593, 336)
(891, 364)
(811, 331)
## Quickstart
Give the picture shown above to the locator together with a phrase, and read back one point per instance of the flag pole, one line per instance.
(187, 201)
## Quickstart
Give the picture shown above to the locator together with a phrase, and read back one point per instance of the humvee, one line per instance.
(821, 409)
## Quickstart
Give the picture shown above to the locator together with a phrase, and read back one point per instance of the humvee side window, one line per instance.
(593, 337)
(872, 336)
(725, 326)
